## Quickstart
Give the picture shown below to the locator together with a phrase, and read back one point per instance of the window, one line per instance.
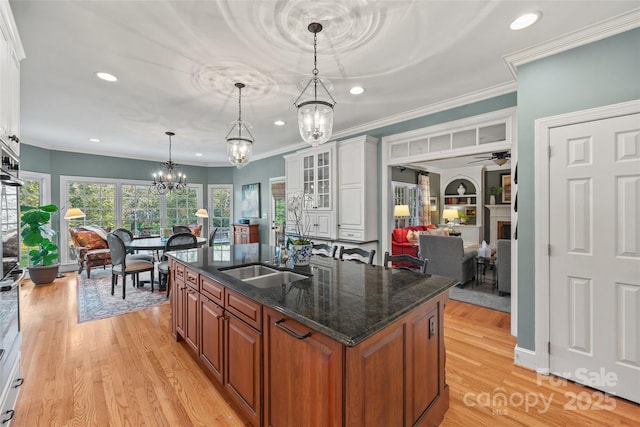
(140, 208)
(35, 192)
(220, 208)
(111, 203)
(182, 208)
(407, 194)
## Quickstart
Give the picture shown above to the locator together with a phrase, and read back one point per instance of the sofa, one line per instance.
(446, 256)
(91, 247)
(404, 241)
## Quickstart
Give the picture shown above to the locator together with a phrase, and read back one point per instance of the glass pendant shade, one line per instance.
(239, 138)
(315, 103)
(315, 118)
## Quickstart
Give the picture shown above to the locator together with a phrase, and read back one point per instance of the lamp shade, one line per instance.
(202, 213)
(401, 210)
(450, 214)
(73, 213)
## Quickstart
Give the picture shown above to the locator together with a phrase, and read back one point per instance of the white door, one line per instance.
(594, 261)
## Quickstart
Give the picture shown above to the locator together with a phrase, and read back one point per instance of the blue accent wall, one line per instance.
(601, 73)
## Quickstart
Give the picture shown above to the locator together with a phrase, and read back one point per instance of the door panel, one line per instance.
(594, 262)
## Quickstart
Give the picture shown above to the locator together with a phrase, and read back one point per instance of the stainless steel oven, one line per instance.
(10, 276)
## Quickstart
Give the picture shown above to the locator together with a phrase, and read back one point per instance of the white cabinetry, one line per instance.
(11, 53)
(313, 172)
(357, 175)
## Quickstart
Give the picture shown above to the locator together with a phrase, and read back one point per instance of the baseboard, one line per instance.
(528, 359)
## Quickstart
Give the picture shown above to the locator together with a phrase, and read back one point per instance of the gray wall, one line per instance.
(601, 73)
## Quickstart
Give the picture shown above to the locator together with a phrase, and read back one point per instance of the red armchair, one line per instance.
(399, 243)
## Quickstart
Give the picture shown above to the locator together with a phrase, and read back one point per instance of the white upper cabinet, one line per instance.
(357, 176)
(339, 181)
(11, 53)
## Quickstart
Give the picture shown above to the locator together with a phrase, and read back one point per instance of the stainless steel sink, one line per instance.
(262, 276)
(275, 279)
(249, 271)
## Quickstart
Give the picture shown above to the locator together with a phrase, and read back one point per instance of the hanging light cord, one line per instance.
(315, 66)
(170, 162)
(239, 111)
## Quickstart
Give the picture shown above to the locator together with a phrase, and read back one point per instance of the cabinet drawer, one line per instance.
(192, 279)
(179, 268)
(212, 290)
(348, 234)
(244, 308)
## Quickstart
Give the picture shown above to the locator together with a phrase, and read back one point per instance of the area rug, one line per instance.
(484, 295)
(96, 302)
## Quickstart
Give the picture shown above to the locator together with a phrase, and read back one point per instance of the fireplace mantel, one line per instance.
(497, 213)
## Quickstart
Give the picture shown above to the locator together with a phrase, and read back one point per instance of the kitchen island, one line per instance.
(336, 343)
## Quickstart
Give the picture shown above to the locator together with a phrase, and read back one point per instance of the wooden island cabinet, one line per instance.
(282, 371)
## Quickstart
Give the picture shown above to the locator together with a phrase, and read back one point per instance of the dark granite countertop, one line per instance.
(345, 300)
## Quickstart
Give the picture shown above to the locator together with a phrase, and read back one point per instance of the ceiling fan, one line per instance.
(499, 157)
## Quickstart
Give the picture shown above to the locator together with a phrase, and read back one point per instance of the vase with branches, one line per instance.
(300, 243)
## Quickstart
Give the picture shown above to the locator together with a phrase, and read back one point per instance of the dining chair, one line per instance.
(122, 265)
(175, 242)
(417, 263)
(127, 236)
(180, 229)
(324, 250)
(212, 236)
(357, 255)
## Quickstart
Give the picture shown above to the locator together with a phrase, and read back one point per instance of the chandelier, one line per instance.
(239, 146)
(315, 114)
(169, 179)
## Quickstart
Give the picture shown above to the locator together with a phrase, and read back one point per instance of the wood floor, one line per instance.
(127, 371)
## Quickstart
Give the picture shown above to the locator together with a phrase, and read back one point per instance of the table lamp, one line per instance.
(74, 213)
(202, 213)
(451, 215)
(401, 211)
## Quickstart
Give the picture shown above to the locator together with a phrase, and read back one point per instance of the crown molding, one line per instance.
(466, 99)
(601, 30)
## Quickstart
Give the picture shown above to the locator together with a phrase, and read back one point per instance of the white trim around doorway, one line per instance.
(538, 359)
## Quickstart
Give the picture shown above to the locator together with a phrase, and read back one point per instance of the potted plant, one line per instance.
(302, 246)
(494, 191)
(37, 236)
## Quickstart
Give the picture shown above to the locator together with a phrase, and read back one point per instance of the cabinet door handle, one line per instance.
(280, 324)
(11, 413)
(14, 138)
(19, 382)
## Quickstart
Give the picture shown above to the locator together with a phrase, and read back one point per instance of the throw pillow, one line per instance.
(412, 236)
(90, 240)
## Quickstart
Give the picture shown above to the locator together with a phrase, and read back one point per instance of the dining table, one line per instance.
(154, 243)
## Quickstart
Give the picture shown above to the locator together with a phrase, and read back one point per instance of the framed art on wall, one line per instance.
(251, 200)
(506, 188)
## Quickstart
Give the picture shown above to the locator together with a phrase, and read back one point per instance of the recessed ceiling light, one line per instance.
(94, 140)
(526, 20)
(106, 77)
(278, 123)
(199, 154)
(356, 90)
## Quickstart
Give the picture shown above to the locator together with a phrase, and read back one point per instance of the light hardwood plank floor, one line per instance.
(128, 371)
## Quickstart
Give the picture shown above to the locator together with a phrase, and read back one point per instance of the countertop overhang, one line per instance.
(344, 300)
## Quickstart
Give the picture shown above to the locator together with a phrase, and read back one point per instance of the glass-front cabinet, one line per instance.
(316, 179)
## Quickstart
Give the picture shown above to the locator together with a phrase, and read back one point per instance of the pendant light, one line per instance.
(169, 179)
(239, 138)
(315, 111)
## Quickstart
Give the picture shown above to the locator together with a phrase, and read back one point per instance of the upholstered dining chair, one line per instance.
(416, 263)
(357, 254)
(180, 229)
(212, 236)
(122, 265)
(175, 242)
(127, 237)
(324, 250)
